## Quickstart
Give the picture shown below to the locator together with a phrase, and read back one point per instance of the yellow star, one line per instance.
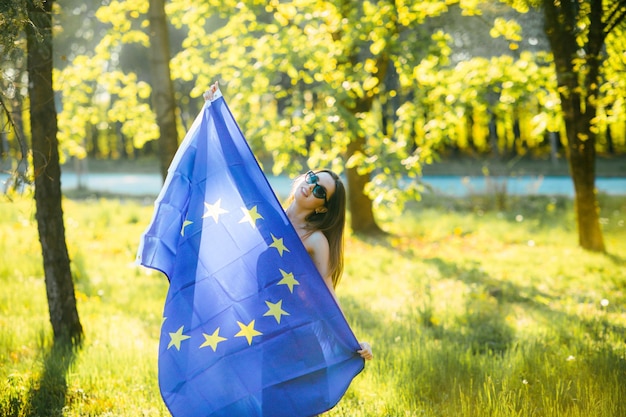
(250, 216)
(185, 224)
(288, 280)
(247, 331)
(213, 210)
(212, 340)
(278, 244)
(275, 310)
(176, 338)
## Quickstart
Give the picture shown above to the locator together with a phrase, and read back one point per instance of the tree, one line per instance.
(309, 81)
(368, 88)
(577, 32)
(43, 121)
(97, 93)
(162, 88)
(12, 62)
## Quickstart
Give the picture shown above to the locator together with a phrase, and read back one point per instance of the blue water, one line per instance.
(524, 185)
(150, 184)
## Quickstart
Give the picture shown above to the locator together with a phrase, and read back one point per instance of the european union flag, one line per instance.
(250, 328)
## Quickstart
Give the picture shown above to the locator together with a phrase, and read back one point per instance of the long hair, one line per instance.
(332, 224)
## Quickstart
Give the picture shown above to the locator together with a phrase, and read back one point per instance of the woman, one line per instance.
(317, 210)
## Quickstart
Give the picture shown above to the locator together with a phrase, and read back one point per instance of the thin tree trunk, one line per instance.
(553, 138)
(43, 118)
(493, 135)
(162, 88)
(469, 129)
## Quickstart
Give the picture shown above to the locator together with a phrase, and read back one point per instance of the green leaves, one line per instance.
(509, 30)
(308, 78)
(97, 92)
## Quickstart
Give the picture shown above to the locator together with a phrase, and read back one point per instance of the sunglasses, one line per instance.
(318, 191)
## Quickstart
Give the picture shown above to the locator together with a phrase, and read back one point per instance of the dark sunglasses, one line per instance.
(318, 191)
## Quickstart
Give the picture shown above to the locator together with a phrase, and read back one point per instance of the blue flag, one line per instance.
(249, 327)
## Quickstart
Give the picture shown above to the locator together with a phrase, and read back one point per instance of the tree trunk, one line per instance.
(610, 144)
(361, 208)
(162, 88)
(579, 109)
(582, 167)
(43, 119)
(361, 212)
(493, 135)
(93, 146)
(553, 138)
(469, 129)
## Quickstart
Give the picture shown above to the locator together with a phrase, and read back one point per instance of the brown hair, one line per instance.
(332, 224)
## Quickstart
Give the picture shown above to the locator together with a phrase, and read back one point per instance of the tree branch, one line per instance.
(18, 175)
(616, 16)
(614, 9)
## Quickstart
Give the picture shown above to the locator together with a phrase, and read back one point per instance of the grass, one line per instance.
(470, 311)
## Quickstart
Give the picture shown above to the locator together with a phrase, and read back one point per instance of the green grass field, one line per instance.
(470, 311)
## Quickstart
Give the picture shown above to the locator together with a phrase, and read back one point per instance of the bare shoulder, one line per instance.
(317, 246)
(316, 242)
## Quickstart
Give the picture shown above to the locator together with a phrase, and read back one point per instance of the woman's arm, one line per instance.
(317, 246)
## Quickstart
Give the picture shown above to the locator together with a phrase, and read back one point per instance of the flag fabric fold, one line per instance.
(249, 327)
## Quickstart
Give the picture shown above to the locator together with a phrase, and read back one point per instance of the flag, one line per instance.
(249, 326)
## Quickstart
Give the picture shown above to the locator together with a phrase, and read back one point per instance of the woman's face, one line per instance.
(305, 194)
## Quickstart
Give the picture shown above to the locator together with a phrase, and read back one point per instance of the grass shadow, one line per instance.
(487, 323)
(476, 365)
(47, 396)
(616, 258)
(491, 299)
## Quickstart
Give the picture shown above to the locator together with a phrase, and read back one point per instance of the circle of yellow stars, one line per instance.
(275, 310)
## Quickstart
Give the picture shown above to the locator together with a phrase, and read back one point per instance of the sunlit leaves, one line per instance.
(421, 10)
(506, 87)
(96, 93)
(306, 77)
(135, 36)
(305, 66)
(471, 7)
(378, 46)
(508, 29)
(120, 14)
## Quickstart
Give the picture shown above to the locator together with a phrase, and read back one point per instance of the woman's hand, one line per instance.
(366, 351)
(208, 94)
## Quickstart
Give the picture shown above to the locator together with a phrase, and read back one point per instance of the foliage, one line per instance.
(12, 20)
(613, 90)
(12, 70)
(294, 63)
(96, 92)
(610, 100)
(309, 68)
(470, 312)
(305, 78)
